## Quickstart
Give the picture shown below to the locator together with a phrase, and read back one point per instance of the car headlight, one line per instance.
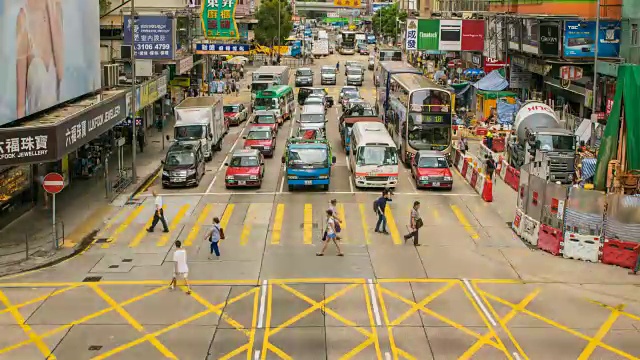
(165, 173)
(424, 178)
(393, 178)
(191, 172)
(229, 177)
(293, 177)
(253, 177)
(448, 178)
(360, 178)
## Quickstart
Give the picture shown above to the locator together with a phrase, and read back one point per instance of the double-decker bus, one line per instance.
(382, 80)
(419, 115)
(347, 42)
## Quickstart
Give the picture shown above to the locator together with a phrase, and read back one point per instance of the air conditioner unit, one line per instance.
(110, 74)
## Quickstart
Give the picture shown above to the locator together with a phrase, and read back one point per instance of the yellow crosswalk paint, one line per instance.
(465, 223)
(125, 224)
(342, 216)
(246, 228)
(365, 227)
(308, 224)
(226, 216)
(136, 240)
(393, 228)
(174, 224)
(193, 233)
(277, 225)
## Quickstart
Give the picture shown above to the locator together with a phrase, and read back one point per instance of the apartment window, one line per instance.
(634, 34)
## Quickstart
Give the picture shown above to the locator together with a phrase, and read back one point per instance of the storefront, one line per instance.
(74, 141)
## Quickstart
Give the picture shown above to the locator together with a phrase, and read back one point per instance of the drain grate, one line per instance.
(114, 266)
(102, 241)
(313, 226)
(92, 279)
(95, 347)
(127, 260)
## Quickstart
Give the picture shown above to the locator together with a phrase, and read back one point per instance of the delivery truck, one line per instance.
(201, 118)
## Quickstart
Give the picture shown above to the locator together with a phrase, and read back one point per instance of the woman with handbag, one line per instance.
(415, 225)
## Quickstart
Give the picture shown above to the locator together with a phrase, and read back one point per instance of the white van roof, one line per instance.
(372, 133)
(313, 109)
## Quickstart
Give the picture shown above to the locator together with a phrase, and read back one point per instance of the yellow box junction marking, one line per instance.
(125, 224)
(195, 230)
(393, 227)
(465, 223)
(277, 225)
(33, 337)
(308, 224)
(174, 225)
(602, 332)
(248, 223)
(365, 226)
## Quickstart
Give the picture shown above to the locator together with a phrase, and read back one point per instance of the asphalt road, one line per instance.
(473, 290)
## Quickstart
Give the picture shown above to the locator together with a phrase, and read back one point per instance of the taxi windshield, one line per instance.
(231, 108)
(259, 135)
(265, 119)
(433, 162)
(244, 161)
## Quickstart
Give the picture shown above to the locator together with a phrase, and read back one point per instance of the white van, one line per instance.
(373, 156)
(313, 116)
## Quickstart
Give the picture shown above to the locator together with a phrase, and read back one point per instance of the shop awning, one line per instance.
(494, 81)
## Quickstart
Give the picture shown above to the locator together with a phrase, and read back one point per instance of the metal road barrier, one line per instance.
(34, 244)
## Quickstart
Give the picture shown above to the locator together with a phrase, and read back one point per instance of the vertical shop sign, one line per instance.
(411, 41)
(154, 36)
(530, 36)
(219, 19)
(472, 35)
(549, 39)
(428, 34)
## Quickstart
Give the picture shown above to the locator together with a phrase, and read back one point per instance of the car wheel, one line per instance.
(290, 187)
(227, 187)
(325, 187)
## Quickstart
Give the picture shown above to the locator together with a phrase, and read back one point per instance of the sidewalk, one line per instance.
(82, 208)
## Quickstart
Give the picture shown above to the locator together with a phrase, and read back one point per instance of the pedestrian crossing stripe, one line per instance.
(242, 221)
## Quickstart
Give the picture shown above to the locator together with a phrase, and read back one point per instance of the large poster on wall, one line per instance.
(154, 36)
(48, 61)
(445, 35)
(580, 39)
(549, 39)
(530, 36)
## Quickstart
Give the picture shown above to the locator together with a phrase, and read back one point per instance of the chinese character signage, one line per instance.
(347, 3)
(222, 49)
(154, 36)
(448, 35)
(219, 20)
(580, 39)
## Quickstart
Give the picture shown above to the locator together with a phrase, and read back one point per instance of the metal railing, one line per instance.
(34, 244)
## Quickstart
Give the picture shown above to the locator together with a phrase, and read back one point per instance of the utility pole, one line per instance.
(133, 92)
(279, 37)
(595, 58)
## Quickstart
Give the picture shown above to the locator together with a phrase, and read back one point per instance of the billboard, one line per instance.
(549, 39)
(154, 36)
(40, 70)
(219, 19)
(580, 39)
(445, 35)
(379, 5)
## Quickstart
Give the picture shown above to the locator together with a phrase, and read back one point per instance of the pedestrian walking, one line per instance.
(463, 145)
(214, 236)
(158, 215)
(415, 224)
(237, 89)
(491, 166)
(180, 267)
(331, 236)
(379, 206)
(140, 138)
(336, 217)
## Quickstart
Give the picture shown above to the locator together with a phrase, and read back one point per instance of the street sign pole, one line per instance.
(53, 220)
(53, 183)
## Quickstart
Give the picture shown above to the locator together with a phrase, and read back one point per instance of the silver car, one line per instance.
(328, 75)
(354, 76)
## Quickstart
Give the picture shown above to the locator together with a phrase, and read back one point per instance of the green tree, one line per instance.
(384, 20)
(104, 6)
(266, 32)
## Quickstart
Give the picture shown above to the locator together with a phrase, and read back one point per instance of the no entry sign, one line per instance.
(53, 183)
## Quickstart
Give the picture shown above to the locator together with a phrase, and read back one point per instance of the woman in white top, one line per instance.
(331, 234)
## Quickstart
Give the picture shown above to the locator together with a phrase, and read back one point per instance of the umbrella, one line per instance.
(238, 60)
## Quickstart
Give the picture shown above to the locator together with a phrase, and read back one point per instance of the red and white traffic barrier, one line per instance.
(620, 253)
(550, 240)
(471, 171)
(581, 247)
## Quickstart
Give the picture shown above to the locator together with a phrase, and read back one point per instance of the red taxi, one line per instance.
(430, 169)
(266, 118)
(261, 138)
(234, 114)
(244, 169)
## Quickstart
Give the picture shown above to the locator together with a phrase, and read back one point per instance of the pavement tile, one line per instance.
(13, 334)
(450, 343)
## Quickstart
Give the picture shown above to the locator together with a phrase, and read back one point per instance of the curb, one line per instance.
(147, 182)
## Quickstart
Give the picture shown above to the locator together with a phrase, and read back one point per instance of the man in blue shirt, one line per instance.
(380, 206)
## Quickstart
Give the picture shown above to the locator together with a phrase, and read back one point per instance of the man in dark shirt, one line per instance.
(491, 166)
(381, 205)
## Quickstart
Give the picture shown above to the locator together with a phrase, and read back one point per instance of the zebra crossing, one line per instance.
(276, 224)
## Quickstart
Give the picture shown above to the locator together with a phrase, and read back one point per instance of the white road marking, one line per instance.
(314, 192)
(413, 186)
(226, 158)
(346, 158)
(479, 302)
(387, 356)
(374, 302)
(291, 131)
(282, 184)
(516, 355)
(350, 184)
(263, 300)
(256, 355)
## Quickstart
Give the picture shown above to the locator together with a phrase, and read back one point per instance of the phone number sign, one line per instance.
(219, 19)
(153, 34)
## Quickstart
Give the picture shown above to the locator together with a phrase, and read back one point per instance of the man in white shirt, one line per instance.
(180, 267)
(158, 214)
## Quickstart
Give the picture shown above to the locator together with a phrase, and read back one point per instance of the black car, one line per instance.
(184, 165)
(303, 93)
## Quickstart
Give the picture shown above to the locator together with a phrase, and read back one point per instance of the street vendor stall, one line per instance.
(486, 102)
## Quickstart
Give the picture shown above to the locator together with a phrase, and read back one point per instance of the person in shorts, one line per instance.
(331, 234)
(180, 267)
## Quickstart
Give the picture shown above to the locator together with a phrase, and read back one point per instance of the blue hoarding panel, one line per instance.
(580, 39)
(154, 38)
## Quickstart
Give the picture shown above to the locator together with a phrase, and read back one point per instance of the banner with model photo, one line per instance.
(50, 54)
(445, 35)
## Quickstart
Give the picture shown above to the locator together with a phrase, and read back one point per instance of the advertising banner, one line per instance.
(154, 36)
(377, 6)
(519, 78)
(580, 38)
(222, 49)
(347, 3)
(514, 29)
(445, 35)
(219, 19)
(59, 64)
(530, 36)
(549, 39)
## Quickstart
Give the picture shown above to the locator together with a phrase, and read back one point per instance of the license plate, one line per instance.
(308, 182)
(436, 184)
(178, 179)
(242, 182)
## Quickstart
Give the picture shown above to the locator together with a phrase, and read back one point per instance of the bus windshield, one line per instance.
(259, 86)
(376, 155)
(268, 103)
(429, 138)
(390, 55)
(430, 101)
